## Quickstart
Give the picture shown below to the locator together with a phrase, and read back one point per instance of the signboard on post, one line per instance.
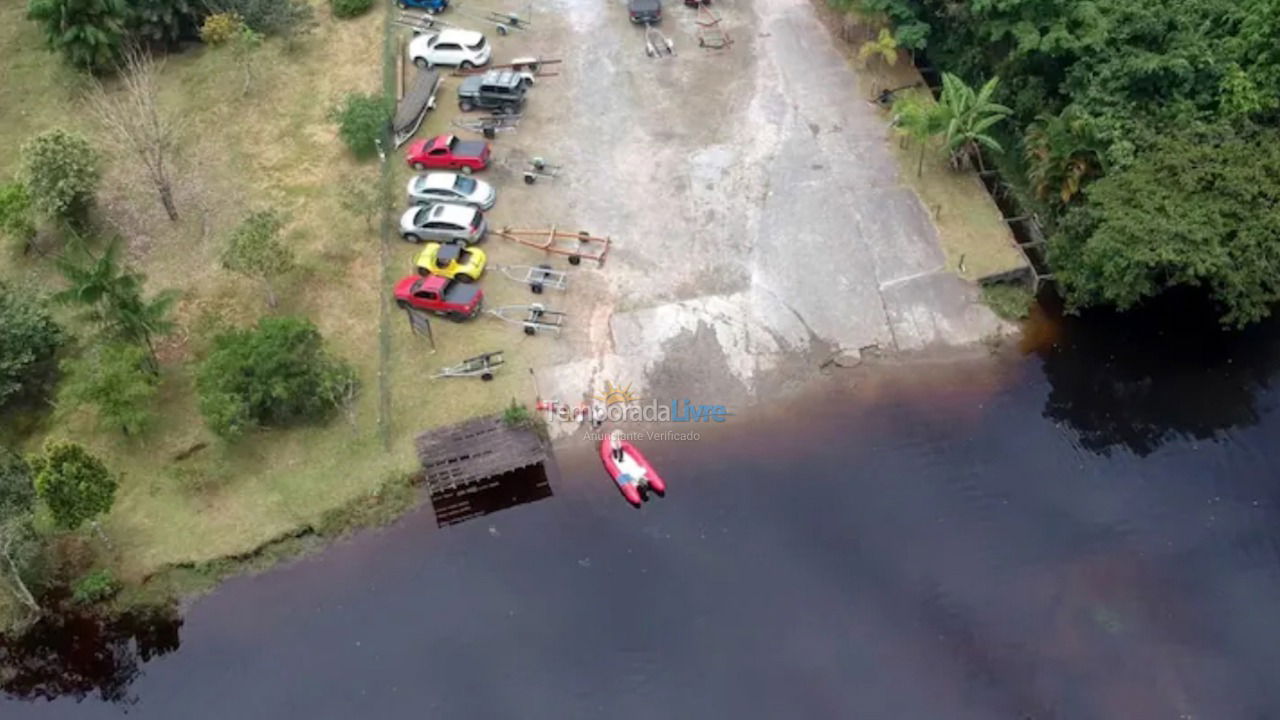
(420, 323)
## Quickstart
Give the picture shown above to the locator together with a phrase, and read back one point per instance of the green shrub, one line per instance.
(517, 416)
(1008, 300)
(350, 8)
(276, 373)
(61, 170)
(362, 121)
(16, 222)
(116, 380)
(282, 18)
(219, 28)
(29, 338)
(95, 587)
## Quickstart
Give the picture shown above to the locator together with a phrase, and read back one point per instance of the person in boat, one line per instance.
(615, 445)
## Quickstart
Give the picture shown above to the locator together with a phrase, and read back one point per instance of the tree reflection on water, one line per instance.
(74, 653)
(1167, 370)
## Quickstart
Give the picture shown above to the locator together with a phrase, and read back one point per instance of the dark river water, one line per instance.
(1090, 530)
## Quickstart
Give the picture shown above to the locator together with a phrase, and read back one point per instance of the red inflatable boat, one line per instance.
(629, 469)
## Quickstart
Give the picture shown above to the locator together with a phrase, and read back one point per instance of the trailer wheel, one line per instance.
(536, 288)
(530, 178)
(487, 377)
(530, 330)
(575, 259)
(489, 132)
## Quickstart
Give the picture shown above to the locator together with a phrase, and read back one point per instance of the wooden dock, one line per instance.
(481, 466)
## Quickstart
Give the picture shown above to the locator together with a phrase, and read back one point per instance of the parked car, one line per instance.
(452, 47)
(452, 188)
(645, 11)
(431, 7)
(463, 264)
(447, 152)
(440, 295)
(444, 222)
(501, 91)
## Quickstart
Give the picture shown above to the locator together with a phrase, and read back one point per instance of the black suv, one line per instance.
(501, 91)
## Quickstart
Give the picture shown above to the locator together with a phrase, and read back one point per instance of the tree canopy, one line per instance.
(1106, 95)
(75, 485)
(276, 373)
(29, 338)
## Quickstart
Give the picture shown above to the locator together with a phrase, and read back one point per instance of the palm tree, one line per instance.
(918, 119)
(1062, 153)
(114, 297)
(885, 47)
(968, 116)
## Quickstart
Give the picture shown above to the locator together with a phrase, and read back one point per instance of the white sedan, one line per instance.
(452, 188)
(451, 47)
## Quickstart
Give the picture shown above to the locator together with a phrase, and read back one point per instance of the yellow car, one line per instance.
(463, 264)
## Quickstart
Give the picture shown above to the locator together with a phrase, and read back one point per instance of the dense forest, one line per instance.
(1145, 135)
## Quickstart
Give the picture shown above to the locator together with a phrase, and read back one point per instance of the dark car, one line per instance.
(501, 91)
(645, 11)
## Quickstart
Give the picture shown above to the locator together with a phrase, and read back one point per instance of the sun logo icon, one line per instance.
(617, 394)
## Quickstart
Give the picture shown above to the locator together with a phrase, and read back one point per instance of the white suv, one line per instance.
(452, 47)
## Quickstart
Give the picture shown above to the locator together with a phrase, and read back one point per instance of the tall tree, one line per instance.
(74, 484)
(17, 498)
(137, 121)
(61, 171)
(116, 379)
(29, 339)
(88, 33)
(255, 249)
(113, 296)
(1200, 208)
(162, 22)
(968, 115)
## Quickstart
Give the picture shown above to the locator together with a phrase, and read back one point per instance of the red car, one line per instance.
(447, 152)
(440, 295)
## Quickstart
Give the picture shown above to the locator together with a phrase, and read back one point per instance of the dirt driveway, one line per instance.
(755, 202)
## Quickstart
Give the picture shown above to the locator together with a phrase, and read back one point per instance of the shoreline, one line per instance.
(755, 369)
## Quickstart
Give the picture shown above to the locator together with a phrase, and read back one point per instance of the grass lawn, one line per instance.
(270, 147)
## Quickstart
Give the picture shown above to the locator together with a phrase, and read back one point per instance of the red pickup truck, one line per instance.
(440, 295)
(449, 153)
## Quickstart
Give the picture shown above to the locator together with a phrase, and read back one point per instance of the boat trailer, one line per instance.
(490, 125)
(576, 245)
(532, 318)
(537, 277)
(503, 22)
(710, 35)
(656, 44)
(540, 168)
(481, 366)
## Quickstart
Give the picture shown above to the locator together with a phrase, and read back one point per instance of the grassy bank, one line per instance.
(188, 500)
